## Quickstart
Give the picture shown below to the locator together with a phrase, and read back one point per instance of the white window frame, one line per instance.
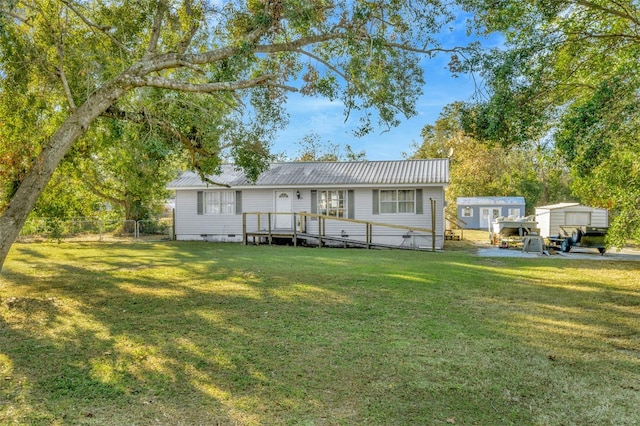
(467, 211)
(218, 203)
(514, 212)
(395, 201)
(332, 202)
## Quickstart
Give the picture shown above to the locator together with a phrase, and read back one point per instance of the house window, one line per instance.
(467, 212)
(398, 201)
(219, 202)
(332, 203)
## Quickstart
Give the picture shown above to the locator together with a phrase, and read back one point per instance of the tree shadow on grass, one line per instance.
(197, 334)
(70, 359)
(179, 352)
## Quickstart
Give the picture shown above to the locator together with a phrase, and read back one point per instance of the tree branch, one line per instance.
(63, 76)
(621, 14)
(186, 41)
(165, 83)
(15, 16)
(323, 62)
(192, 67)
(282, 86)
(169, 60)
(296, 45)
(292, 46)
(619, 36)
(104, 30)
(152, 48)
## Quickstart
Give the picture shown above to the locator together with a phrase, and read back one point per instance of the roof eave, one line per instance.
(309, 186)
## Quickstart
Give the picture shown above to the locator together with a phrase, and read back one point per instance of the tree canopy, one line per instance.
(485, 168)
(313, 149)
(568, 76)
(65, 64)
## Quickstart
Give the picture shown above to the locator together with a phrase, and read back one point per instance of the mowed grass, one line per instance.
(206, 334)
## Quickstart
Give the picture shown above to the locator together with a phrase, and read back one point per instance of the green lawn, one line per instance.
(203, 333)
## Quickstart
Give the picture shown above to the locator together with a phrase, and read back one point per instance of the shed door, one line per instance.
(283, 205)
(488, 215)
(577, 218)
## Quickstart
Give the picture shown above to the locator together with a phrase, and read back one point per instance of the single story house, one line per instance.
(551, 217)
(399, 193)
(480, 212)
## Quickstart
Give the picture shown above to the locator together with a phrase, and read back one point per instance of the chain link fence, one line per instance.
(87, 229)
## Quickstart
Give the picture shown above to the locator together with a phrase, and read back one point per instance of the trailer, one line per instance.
(580, 236)
(551, 217)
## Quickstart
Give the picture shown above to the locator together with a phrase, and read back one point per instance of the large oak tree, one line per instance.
(64, 64)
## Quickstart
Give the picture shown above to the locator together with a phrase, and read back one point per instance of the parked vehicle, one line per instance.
(508, 231)
(580, 236)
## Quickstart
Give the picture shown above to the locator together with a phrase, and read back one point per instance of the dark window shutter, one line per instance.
(238, 202)
(200, 202)
(376, 202)
(419, 207)
(350, 204)
(314, 203)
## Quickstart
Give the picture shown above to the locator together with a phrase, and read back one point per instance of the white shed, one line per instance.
(551, 217)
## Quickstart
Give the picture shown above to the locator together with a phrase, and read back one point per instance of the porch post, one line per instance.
(295, 231)
(244, 229)
(433, 224)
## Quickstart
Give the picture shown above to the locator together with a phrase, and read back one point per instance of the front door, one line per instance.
(284, 208)
(487, 216)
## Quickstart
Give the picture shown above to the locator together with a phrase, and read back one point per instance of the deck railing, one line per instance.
(300, 225)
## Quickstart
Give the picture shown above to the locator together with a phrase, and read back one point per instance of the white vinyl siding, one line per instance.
(367, 205)
(193, 226)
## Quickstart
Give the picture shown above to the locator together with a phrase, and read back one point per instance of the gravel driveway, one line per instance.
(575, 253)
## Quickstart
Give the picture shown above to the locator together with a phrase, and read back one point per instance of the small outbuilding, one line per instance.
(479, 212)
(550, 218)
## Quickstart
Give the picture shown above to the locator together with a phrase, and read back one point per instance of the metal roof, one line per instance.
(558, 206)
(489, 201)
(396, 172)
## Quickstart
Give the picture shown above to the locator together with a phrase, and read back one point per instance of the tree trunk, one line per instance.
(25, 198)
(134, 210)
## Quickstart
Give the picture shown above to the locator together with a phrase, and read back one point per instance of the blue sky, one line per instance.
(326, 118)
